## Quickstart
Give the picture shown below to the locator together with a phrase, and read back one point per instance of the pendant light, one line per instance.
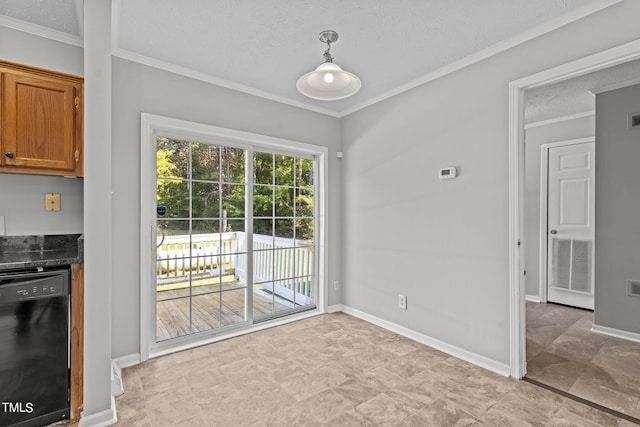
(328, 82)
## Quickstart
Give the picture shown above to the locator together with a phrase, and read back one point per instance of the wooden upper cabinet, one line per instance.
(42, 129)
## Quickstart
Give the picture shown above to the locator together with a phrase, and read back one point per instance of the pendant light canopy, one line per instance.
(328, 82)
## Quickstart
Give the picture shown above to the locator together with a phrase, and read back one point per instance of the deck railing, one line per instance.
(279, 266)
(284, 268)
(199, 255)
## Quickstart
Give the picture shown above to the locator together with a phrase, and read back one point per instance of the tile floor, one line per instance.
(563, 352)
(334, 370)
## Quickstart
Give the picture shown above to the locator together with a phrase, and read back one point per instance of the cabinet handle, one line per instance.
(9, 154)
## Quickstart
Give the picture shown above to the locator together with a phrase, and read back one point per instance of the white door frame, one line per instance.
(544, 165)
(149, 125)
(605, 59)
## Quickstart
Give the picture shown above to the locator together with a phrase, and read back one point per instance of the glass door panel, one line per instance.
(201, 250)
(283, 234)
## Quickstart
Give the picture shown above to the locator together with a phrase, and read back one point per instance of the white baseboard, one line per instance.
(477, 359)
(117, 364)
(617, 333)
(128, 360)
(532, 298)
(335, 308)
(117, 388)
(100, 419)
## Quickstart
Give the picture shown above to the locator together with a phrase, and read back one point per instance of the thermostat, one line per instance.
(447, 173)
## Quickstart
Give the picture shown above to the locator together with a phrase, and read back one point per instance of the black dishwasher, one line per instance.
(34, 347)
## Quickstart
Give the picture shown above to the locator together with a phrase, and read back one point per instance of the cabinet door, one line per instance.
(39, 123)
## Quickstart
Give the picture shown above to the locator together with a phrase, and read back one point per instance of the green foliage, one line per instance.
(164, 165)
(207, 182)
(263, 168)
(171, 167)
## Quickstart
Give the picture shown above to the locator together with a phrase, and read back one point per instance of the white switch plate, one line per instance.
(3, 230)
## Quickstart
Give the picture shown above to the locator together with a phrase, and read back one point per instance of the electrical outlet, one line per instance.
(336, 285)
(402, 301)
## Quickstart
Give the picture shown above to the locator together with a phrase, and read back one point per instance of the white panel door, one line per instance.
(570, 230)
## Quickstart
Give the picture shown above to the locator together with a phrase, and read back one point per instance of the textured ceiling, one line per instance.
(265, 45)
(574, 96)
(268, 44)
(58, 15)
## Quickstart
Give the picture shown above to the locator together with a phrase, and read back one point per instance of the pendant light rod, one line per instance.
(328, 37)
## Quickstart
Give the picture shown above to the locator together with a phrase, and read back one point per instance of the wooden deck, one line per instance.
(199, 280)
(209, 306)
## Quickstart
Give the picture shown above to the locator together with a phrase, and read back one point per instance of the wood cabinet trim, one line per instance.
(27, 69)
(77, 341)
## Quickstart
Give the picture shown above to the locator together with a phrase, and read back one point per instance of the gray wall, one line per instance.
(24, 48)
(534, 138)
(617, 245)
(22, 196)
(22, 204)
(138, 88)
(444, 244)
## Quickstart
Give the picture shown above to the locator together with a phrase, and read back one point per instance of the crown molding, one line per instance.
(184, 71)
(208, 78)
(615, 86)
(41, 31)
(441, 72)
(560, 119)
(495, 49)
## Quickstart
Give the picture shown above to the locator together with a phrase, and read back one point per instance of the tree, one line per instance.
(207, 183)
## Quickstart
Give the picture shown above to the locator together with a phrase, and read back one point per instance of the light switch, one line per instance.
(52, 202)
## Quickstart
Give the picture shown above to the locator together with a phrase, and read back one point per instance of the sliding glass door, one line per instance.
(235, 237)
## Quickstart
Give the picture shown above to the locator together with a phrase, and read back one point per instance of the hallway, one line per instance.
(563, 353)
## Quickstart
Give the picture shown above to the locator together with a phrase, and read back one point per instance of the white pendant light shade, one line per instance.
(328, 82)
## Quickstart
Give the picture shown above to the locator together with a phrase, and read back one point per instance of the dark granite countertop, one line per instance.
(23, 252)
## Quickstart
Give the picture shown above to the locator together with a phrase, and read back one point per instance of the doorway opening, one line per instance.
(521, 243)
